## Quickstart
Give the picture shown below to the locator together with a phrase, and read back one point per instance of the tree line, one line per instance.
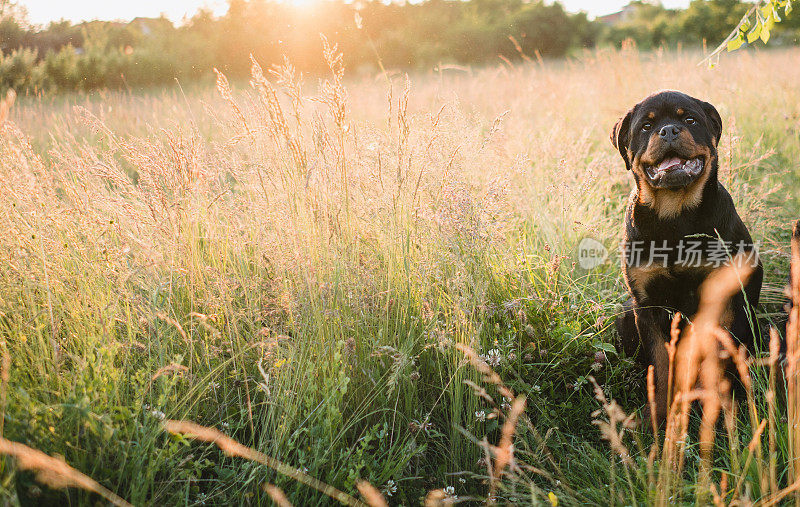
(397, 35)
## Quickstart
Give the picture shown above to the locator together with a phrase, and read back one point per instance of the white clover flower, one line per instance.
(389, 488)
(493, 358)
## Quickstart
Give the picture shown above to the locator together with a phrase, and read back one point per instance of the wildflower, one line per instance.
(389, 488)
(158, 414)
(279, 363)
(480, 415)
(597, 366)
(493, 358)
(553, 499)
(414, 375)
(537, 388)
(420, 425)
(450, 493)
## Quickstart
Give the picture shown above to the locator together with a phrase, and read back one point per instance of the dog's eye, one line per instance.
(690, 121)
(647, 126)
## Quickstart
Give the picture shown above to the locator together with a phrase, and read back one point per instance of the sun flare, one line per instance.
(302, 4)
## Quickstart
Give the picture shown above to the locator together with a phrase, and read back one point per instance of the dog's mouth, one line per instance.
(675, 172)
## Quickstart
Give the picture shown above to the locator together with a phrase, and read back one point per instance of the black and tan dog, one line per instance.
(680, 224)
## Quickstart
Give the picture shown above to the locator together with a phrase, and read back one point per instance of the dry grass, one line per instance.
(233, 448)
(310, 266)
(55, 472)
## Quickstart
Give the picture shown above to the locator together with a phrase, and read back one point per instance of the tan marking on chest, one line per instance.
(642, 275)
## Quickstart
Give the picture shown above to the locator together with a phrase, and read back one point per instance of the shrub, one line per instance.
(18, 71)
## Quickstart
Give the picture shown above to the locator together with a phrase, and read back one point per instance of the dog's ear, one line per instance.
(620, 137)
(714, 121)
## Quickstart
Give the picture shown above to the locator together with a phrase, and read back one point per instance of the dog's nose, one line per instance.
(669, 133)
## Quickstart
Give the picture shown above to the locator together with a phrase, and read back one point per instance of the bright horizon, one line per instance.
(42, 12)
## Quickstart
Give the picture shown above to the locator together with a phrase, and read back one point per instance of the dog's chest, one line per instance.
(668, 285)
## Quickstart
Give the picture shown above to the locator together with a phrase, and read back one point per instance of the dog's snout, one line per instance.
(669, 133)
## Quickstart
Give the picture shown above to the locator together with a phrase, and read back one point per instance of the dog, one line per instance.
(678, 207)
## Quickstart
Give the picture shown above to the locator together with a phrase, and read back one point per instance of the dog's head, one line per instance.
(669, 141)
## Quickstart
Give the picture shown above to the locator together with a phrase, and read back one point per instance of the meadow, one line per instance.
(363, 278)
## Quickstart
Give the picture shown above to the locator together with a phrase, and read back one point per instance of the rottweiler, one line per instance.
(680, 225)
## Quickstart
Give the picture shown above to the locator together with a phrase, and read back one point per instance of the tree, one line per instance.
(757, 23)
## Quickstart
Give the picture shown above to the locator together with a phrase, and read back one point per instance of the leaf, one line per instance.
(765, 35)
(754, 33)
(775, 15)
(769, 23)
(735, 43)
(606, 347)
(788, 9)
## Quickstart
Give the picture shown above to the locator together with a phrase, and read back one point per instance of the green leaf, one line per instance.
(606, 347)
(769, 23)
(765, 34)
(754, 33)
(735, 43)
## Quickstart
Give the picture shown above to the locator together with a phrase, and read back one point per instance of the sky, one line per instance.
(42, 12)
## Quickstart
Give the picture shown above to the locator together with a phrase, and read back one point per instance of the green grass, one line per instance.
(307, 263)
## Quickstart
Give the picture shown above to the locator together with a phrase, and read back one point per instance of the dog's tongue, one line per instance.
(668, 162)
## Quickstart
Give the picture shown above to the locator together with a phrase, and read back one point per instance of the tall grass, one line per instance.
(302, 267)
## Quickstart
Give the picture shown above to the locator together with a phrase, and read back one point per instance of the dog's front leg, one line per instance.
(653, 326)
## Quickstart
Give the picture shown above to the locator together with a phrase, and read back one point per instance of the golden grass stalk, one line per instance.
(371, 494)
(170, 368)
(435, 498)
(55, 472)
(233, 448)
(5, 105)
(489, 375)
(651, 399)
(792, 356)
(504, 452)
(5, 374)
(774, 353)
(698, 374)
(277, 495)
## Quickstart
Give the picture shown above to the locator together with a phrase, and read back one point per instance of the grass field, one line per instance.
(300, 267)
